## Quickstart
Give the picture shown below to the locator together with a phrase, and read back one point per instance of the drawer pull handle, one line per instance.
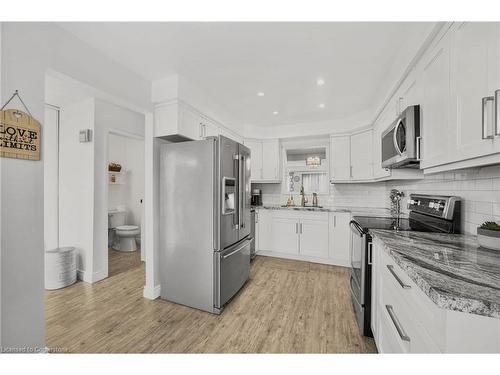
(397, 324)
(403, 285)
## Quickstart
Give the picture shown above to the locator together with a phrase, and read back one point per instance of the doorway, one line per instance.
(125, 177)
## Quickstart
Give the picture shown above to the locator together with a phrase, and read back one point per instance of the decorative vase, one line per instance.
(489, 239)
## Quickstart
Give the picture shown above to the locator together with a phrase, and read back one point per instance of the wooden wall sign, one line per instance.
(19, 135)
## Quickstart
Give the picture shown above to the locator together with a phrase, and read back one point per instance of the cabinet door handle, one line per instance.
(296, 228)
(200, 131)
(397, 324)
(484, 119)
(419, 144)
(370, 248)
(300, 228)
(497, 112)
(350, 171)
(334, 221)
(403, 285)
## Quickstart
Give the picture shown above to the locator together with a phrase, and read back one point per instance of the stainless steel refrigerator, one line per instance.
(204, 222)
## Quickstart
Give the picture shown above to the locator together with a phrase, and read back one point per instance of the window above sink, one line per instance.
(306, 165)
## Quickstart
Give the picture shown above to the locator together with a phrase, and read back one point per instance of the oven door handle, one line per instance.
(353, 294)
(355, 227)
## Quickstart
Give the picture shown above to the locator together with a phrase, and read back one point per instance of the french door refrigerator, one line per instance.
(204, 222)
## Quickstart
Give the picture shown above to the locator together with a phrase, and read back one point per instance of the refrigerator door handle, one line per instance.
(237, 213)
(241, 193)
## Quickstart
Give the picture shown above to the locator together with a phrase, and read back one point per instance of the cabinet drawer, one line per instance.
(422, 320)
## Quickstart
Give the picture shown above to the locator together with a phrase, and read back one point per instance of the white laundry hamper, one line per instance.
(60, 267)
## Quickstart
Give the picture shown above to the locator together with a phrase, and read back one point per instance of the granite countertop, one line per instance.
(451, 269)
(300, 208)
(360, 211)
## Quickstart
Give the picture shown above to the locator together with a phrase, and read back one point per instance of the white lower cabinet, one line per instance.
(405, 320)
(313, 236)
(340, 238)
(284, 238)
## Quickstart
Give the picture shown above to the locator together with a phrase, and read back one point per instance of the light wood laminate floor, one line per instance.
(286, 307)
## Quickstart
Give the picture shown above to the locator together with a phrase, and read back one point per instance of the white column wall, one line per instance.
(76, 184)
(28, 51)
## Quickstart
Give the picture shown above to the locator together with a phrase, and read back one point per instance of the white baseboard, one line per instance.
(332, 262)
(91, 277)
(152, 293)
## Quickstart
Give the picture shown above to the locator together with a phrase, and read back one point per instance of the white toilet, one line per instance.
(124, 234)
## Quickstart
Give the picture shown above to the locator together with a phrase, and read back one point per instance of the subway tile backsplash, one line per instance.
(479, 189)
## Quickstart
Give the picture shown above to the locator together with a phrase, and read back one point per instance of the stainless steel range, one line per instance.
(428, 213)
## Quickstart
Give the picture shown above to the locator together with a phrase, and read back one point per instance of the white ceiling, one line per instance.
(231, 62)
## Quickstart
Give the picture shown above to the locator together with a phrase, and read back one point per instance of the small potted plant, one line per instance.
(488, 235)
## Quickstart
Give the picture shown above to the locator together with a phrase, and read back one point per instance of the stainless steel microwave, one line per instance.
(401, 141)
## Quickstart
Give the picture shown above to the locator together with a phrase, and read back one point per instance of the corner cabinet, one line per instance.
(340, 158)
(351, 158)
(320, 237)
(362, 155)
(265, 160)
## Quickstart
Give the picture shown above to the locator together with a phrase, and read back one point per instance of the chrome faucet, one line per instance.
(303, 198)
(395, 198)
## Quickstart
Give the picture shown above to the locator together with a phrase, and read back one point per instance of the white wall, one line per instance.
(180, 87)
(76, 184)
(129, 152)
(29, 50)
(51, 178)
(1, 207)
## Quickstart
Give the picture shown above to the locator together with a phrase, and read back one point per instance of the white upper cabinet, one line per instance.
(209, 128)
(340, 158)
(362, 155)
(270, 159)
(474, 69)
(265, 160)
(434, 108)
(459, 77)
(255, 158)
(177, 121)
(409, 93)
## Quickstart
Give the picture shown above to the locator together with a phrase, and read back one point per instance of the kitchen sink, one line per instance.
(307, 206)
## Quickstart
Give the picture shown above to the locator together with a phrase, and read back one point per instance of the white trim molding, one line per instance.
(152, 293)
(91, 277)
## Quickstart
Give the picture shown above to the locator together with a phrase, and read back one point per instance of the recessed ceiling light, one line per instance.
(321, 105)
(320, 81)
(275, 112)
(260, 93)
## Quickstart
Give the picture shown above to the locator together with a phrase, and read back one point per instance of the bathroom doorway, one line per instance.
(125, 185)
